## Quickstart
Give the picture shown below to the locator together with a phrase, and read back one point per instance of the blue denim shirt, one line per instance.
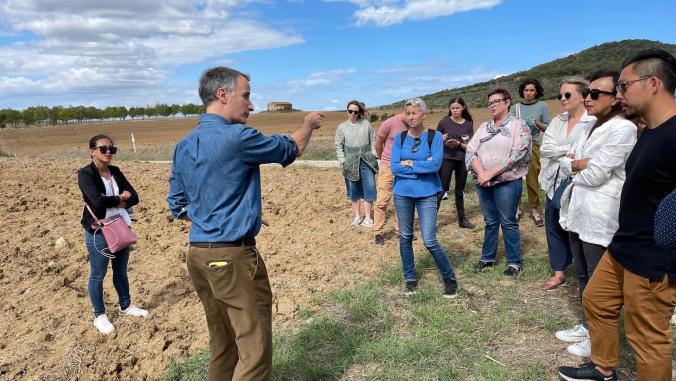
(421, 180)
(215, 178)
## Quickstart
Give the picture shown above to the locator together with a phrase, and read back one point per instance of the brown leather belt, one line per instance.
(250, 241)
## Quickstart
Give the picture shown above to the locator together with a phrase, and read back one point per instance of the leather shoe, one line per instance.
(553, 283)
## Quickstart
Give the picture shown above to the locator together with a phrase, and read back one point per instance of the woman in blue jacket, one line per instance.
(416, 157)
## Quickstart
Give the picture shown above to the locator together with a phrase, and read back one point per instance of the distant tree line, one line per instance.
(43, 115)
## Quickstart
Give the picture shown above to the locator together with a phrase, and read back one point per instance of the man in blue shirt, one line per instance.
(215, 183)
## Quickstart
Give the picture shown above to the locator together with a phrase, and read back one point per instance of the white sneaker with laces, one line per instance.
(445, 196)
(367, 223)
(356, 221)
(103, 325)
(573, 335)
(132, 310)
(581, 348)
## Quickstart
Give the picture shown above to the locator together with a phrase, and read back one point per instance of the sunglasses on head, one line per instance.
(353, 112)
(595, 93)
(566, 95)
(416, 143)
(105, 149)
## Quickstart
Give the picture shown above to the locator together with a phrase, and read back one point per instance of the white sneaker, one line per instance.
(673, 318)
(581, 348)
(367, 223)
(104, 325)
(573, 335)
(445, 196)
(132, 310)
(356, 221)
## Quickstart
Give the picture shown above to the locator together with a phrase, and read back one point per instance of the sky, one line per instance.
(318, 55)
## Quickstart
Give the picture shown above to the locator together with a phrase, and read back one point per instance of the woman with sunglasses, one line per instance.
(356, 152)
(416, 158)
(536, 115)
(107, 192)
(456, 129)
(590, 207)
(562, 132)
(498, 157)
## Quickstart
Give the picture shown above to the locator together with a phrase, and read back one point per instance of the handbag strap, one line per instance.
(92, 213)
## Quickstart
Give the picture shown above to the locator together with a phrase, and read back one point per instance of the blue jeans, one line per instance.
(558, 242)
(499, 203)
(427, 217)
(98, 265)
(365, 187)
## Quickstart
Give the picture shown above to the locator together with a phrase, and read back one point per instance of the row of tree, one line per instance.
(43, 115)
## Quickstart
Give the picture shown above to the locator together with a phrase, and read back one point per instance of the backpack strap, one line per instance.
(430, 137)
(402, 138)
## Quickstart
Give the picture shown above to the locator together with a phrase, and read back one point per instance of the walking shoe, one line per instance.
(578, 294)
(483, 266)
(380, 240)
(512, 270)
(411, 286)
(465, 224)
(450, 288)
(356, 221)
(518, 214)
(581, 348)
(585, 372)
(553, 283)
(445, 196)
(132, 310)
(673, 318)
(537, 218)
(367, 223)
(573, 335)
(104, 325)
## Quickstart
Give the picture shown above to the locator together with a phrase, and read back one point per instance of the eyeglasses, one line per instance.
(353, 112)
(596, 93)
(494, 103)
(105, 149)
(566, 95)
(416, 143)
(623, 86)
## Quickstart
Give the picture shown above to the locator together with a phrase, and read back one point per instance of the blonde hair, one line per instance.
(577, 81)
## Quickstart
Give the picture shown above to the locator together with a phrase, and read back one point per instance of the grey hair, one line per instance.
(417, 102)
(215, 78)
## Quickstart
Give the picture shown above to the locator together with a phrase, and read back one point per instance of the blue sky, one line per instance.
(316, 54)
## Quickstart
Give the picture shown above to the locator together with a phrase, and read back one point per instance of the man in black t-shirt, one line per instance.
(635, 272)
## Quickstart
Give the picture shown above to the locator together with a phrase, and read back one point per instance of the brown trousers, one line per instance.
(237, 300)
(647, 310)
(532, 185)
(384, 196)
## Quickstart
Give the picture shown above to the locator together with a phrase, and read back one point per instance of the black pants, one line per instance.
(586, 257)
(445, 173)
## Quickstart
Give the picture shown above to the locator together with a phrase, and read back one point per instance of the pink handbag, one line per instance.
(116, 232)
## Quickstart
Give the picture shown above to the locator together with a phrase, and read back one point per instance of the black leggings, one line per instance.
(449, 166)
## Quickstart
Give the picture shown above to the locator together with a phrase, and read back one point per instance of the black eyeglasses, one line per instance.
(623, 86)
(353, 112)
(595, 93)
(494, 103)
(416, 143)
(566, 95)
(105, 149)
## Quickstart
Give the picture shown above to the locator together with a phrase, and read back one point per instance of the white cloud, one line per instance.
(321, 78)
(121, 45)
(391, 12)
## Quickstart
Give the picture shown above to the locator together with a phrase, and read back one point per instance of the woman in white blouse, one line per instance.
(591, 204)
(563, 131)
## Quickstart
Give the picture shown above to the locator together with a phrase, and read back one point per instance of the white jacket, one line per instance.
(591, 204)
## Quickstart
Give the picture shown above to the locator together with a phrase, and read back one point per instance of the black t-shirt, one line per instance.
(651, 176)
(455, 131)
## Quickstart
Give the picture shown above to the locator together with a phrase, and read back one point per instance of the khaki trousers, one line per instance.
(383, 198)
(532, 185)
(647, 310)
(237, 300)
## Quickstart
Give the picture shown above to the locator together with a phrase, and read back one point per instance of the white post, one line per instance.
(133, 142)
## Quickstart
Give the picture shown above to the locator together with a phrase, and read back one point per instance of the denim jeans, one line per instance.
(365, 187)
(427, 218)
(98, 265)
(499, 203)
(558, 242)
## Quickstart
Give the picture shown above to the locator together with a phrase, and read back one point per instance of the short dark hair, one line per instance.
(603, 74)
(505, 95)
(219, 77)
(655, 62)
(362, 109)
(93, 140)
(539, 91)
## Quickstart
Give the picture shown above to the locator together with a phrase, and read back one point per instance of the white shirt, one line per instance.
(591, 205)
(113, 190)
(556, 143)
